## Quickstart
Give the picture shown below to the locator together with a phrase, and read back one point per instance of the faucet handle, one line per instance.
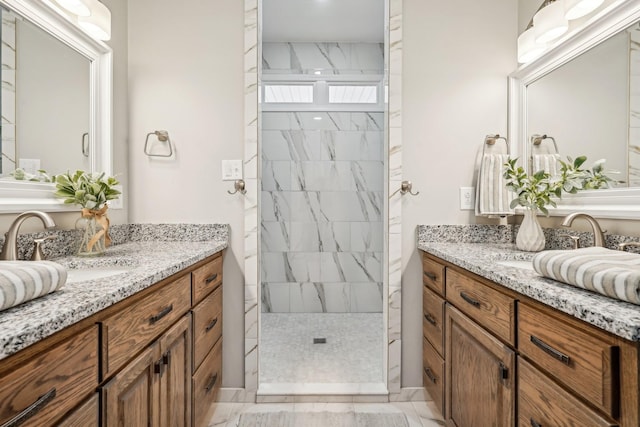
(623, 246)
(576, 240)
(37, 254)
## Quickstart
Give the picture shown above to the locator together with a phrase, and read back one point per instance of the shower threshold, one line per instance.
(323, 389)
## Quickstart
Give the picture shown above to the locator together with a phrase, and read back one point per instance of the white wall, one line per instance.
(457, 55)
(186, 77)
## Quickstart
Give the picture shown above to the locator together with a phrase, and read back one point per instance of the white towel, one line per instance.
(492, 196)
(546, 162)
(612, 273)
(21, 281)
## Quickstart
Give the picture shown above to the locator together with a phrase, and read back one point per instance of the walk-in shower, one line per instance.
(323, 157)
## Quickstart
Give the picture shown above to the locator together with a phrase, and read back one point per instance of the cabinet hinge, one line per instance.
(504, 371)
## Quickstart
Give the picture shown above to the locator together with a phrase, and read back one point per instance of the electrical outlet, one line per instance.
(29, 165)
(117, 203)
(467, 198)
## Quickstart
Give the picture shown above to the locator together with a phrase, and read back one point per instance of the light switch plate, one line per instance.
(467, 198)
(231, 170)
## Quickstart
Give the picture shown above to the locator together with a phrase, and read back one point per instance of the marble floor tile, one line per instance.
(419, 414)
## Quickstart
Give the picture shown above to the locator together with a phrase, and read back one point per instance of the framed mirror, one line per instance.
(55, 103)
(585, 92)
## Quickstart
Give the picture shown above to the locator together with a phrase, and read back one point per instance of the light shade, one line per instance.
(98, 24)
(549, 22)
(575, 9)
(528, 49)
(77, 7)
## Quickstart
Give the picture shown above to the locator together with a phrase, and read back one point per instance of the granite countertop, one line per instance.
(618, 317)
(147, 262)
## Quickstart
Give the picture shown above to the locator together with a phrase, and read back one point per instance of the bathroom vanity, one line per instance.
(503, 346)
(140, 348)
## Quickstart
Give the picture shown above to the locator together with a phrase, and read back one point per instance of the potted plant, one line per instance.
(535, 192)
(91, 191)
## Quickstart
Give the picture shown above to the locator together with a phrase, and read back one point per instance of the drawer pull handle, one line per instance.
(550, 350)
(429, 374)
(211, 278)
(166, 358)
(32, 409)
(430, 275)
(534, 423)
(429, 318)
(211, 325)
(472, 301)
(212, 383)
(153, 319)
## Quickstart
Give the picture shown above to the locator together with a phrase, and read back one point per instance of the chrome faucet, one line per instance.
(10, 248)
(598, 234)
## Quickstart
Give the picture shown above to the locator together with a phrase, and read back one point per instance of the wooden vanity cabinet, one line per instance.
(510, 360)
(480, 387)
(206, 378)
(85, 415)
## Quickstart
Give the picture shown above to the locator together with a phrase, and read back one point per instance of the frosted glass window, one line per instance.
(301, 94)
(344, 94)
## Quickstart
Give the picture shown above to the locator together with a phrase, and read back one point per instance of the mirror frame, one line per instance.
(18, 196)
(619, 203)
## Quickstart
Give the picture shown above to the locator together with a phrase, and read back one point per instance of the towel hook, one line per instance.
(405, 187)
(85, 144)
(238, 185)
(163, 136)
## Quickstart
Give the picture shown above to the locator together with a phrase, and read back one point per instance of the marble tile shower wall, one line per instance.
(322, 212)
(634, 107)
(334, 58)
(8, 93)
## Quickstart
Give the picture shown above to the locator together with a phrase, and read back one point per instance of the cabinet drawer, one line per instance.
(207, 326)
(433, 275)
(206, 383)
(52, 383)
(433, 374)
(86, 415)
(493, 310)
(541, 402)
(135, 326)
(433, 319)
(585, 362)
(206, 278)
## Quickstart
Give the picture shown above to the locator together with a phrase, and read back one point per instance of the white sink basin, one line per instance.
(524, 265)
(95, 273)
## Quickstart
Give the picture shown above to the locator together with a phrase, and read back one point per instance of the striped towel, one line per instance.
(21, 281)
(492, 195)
(546, 162)
(612, 273)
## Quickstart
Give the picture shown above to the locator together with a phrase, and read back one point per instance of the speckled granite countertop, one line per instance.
(617, 317)
(150, 258)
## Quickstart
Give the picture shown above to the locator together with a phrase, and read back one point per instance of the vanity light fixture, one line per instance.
(98, 23)
(549, 22)
(575, 9)
(528, 49)
(77, 7)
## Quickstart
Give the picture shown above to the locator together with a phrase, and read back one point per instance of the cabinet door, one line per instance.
(175, 377)
(131, 398)
(480, 375)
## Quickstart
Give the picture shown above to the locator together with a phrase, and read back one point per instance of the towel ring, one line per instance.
(163, 136)
(537, 140)
(492, 139)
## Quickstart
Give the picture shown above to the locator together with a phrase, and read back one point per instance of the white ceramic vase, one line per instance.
(530, 236)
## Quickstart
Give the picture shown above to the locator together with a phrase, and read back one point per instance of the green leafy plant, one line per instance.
(21, 175)
(89, 190)
(538, 190)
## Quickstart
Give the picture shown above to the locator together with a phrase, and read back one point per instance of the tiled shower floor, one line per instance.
(352, 355)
